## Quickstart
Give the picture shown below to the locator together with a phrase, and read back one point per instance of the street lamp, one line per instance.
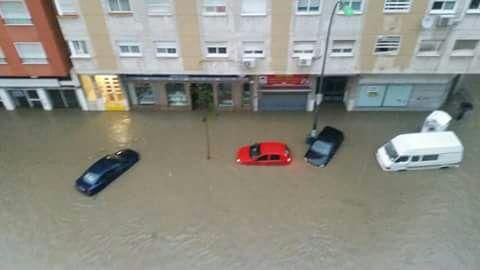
(347, 10)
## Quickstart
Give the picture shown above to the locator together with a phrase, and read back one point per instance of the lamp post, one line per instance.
(347, 10)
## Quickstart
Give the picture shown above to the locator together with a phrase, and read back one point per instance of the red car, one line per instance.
(266, 153)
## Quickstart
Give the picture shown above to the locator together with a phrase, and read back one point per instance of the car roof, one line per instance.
(272, 148)
(330, 133)
(427, 142)
(103, 164)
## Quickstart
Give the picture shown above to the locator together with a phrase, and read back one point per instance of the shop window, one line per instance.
(145, 94)
(15, 13)
(246, 95)
(176, 94)
(225, 95)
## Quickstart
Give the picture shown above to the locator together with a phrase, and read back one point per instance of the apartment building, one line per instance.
(265, 55)
(34, 61)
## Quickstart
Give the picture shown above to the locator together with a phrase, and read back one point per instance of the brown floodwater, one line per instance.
(177, 210)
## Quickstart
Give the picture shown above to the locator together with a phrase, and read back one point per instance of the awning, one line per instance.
(29, 83)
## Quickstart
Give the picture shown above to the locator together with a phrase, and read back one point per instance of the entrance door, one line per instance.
(334, 89)
(283, 101)
(202, 96)
(63, 98)
(397, 95)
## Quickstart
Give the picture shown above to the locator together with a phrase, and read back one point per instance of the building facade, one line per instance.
(35, 69)
(265, 55)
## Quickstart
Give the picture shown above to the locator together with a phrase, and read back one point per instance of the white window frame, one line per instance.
(166, 45)
(349, 2)
(206, 5)
(473, 10)
(63, 12)
(3, 59)
(394, 6)
(443, 11)
(253, 49)
(129, 44)
(121, 8)
(28, 17)
(309, 12)
(74, 53)
(262, 11)
(32, 60)
(343, 49)
(386, 45)
(216, 45)
(464, 52)
(167, 5)
(430, 53)
(303, 48)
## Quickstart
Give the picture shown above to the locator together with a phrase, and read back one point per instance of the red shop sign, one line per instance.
(285, 81)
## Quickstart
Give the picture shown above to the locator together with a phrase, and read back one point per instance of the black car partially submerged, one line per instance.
(324, 147)
(105, 171)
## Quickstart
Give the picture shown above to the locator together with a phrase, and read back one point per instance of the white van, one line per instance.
(421, 151)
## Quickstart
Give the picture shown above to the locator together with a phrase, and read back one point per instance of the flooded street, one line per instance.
(177, 210)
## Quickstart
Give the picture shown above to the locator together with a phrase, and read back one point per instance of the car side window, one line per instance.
(263, 158)
(274, 157)
(402, 159)
(429, 157)
(415, 158)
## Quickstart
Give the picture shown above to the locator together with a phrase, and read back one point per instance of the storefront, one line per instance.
(401, 92)
(188, 92)
(284, 92)
(46, 94)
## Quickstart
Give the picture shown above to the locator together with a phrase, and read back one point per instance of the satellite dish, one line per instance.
(427, 22)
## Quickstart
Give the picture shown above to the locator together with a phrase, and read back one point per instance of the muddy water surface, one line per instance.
(176, 210)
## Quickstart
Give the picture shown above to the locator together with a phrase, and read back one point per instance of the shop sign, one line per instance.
(285, 81)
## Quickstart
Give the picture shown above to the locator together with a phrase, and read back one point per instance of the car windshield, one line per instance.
(91, 178)
(255, 150)
(391, 152)
(321, 147)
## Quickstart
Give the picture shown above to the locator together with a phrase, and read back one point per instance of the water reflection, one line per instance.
(120, 131)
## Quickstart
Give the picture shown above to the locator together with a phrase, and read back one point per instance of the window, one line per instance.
(217, 50)
(474, 6)
(176, 95)
(253, 49)
(443, 6)
(402, 159)
(387, 45)
(429, 157)
(342, 48)
(392, 6)
(15, 12)
(415, 158)
(3, 60)
(214, 7)
(246, 95)
(355, 5)
(429, 48)
(129, 49)
(225, 95)
(308, 6)
(119, 5)
(303, 48)
(274, 157)
(166, 49)
(464, 47)
(263, 158)
(159, 7)
(78, 48)
(253, 7)
(65, 7)
(31, 52)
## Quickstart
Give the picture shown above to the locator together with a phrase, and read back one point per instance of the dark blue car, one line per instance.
(105, 171)
(324, 147)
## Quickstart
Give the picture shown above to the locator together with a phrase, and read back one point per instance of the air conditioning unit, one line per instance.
(249, 62)
(305, 61)
(446, 21)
